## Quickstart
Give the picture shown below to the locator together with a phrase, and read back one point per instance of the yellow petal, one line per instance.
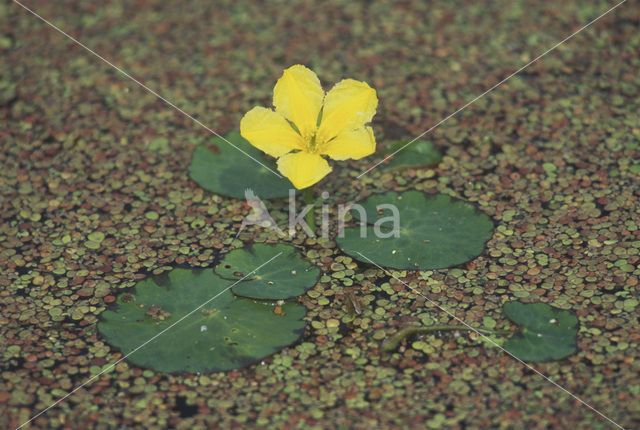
(351, 144)
(349, 105)
(298, 97)
(303, 168)
(269, 132)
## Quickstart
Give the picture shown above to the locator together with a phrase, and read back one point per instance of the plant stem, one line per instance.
(391, 343)
(310, 217)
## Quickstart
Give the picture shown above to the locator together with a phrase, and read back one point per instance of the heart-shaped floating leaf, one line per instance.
(290, 277)
(420, 153)
(227, 171)
(227, 333)
(546, 333)
(429, 231)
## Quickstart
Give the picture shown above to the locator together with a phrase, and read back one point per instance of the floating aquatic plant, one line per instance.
(544, 333)
(273, 281)
(222, 169)
(407, 154)
(434, 231)
(410, 230)
(308, 124)
(190, 321)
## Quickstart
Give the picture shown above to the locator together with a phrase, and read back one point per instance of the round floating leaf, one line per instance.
(432, 232)
(227, 333)
(420, 153)
(289, 276)
(546, 333)
(225, 170)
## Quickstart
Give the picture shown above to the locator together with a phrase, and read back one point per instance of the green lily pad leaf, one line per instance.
(226, 171)
(546, 333)
(420, 153)
(431, 232)
(226, 333)
(289, 277)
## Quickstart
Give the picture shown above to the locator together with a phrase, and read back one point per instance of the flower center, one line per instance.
(310, 139)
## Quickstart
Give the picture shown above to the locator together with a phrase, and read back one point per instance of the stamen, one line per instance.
(313, 142)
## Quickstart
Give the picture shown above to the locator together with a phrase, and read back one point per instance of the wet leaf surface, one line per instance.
(229, 171)
(545, 333)
(290, 276)
(226, 333)
(405, 154)
(433, 231)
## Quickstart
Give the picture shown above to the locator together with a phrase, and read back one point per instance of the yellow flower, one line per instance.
(308, 124)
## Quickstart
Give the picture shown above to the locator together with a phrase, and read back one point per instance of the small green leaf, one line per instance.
(289, 276)
(227, 333)
(420, 153)
(225, 170)
(159, 144)
(96, 236)
(435, 231)
(546, 333)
